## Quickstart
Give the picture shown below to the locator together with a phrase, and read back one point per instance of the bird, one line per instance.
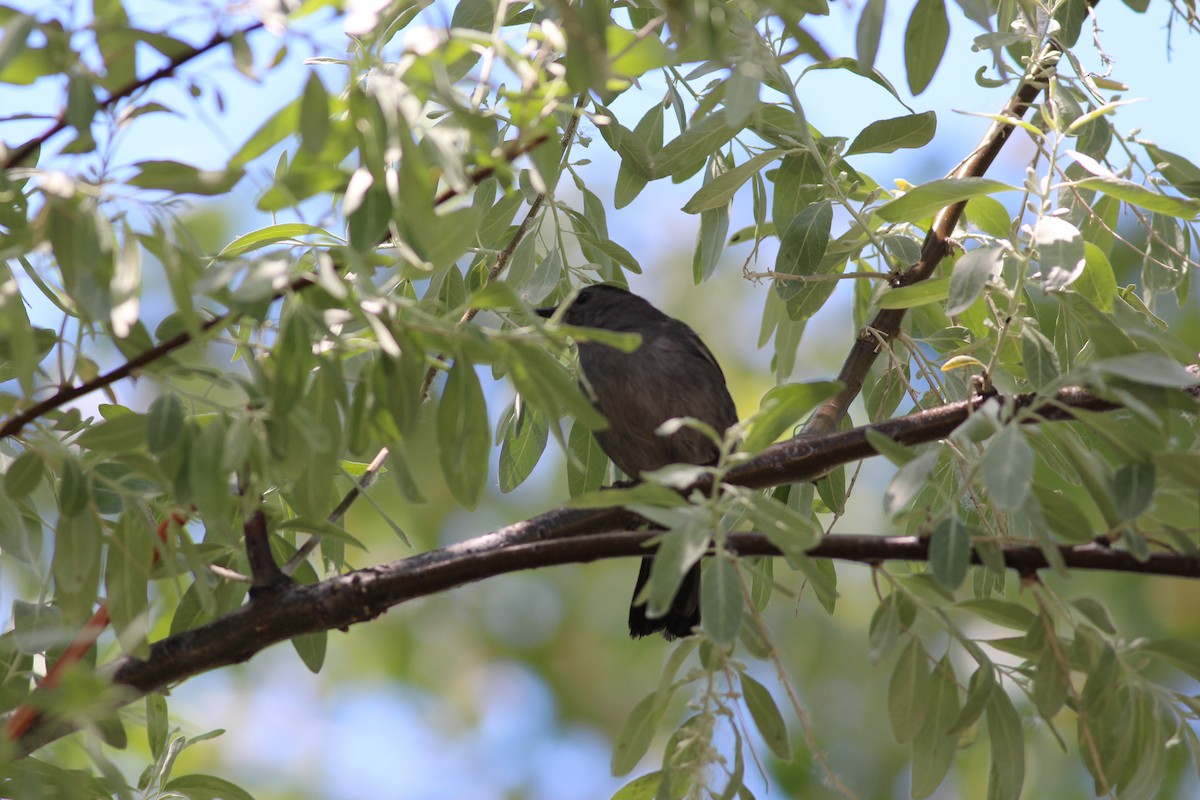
(670, 374)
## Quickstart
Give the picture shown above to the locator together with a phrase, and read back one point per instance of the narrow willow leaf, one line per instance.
(272, 234)
(909, 480)
(314, 115)
(928, 198)
(463, 436)
(979, 691)
(721, 601)
(126, 573)
(721, 189)
(781, 409)
(586, 465)
(1038, 357)
(173, 176)
(688, 152)
(679, 549)
(23, 475)
(908, 692)
(311, 649)
(1007, 468)
(637, 734)
(713, 230)
(925, 43)
(1007, 773)
(522, 448)
(1182, 174)
(950, 552)
(766, 716)
(918, 294)
(1140, 196)
(934, 747)
(1060, 252)
(890, 135)
(970, 274)
(870, 26)
(1133, 489)
(802, 247)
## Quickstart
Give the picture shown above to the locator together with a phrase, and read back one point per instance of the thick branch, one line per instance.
(567, 535)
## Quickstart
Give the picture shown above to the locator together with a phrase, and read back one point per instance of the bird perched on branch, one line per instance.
(671, 374)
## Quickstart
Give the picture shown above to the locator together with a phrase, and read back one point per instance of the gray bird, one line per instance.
(672, 374)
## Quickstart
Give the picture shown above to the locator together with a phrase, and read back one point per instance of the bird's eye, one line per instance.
(581, 299)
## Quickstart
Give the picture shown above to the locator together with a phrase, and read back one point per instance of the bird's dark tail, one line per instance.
(681, 617)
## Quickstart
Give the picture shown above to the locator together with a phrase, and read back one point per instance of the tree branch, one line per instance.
(565, 535)
(886, 324)
(17, 157)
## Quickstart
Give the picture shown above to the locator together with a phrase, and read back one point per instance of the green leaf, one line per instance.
(23, 475)
(928, 198)
(950, 552)
(786, 528)
(721, 189)
(714, 228)
(1097, 282)
(1182, 174)
(587, 464)
(643, 787)
(206, 787)
(1060, 252)
(781, 409)
(924, 44)
(76, 564)
(632, 56)
(1133, 489)
(766, 716)
(284, 123)
(637, 733)
(934, 747)
(74, 490)
(970, 274)
(1007, 747)
(311, 649)
(1140, 196)
(979, 691)
(126, 573)
(929, 291)
(890, 135)
(870, 26)
(688, 152)
(1182, 654)
(721, 601)
(120, 434)
(172, 176)
(314, 115)
(678, 550)
(1049, 684)
(909, 480)
(522, 447)
(1038, 357)
(272, 234)
(157, 723)
(1148, 368)
(1007, 468)
(989, 215)
(164, 423)
(1001, 612)
(463, 436)
(802, 247)
(908, 692)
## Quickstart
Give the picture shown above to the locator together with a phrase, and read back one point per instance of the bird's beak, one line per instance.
(546, 313)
